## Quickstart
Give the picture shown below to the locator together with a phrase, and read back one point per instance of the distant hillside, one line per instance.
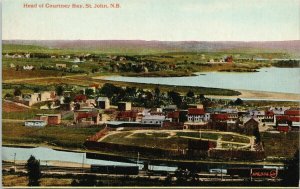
(291, 47)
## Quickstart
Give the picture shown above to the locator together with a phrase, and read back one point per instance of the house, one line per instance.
(88, 116)
(292, 112)
(260, 115)
(49, 105)
(197, 115)
(199, 106)
(47, 95)
(153, 120)
(269, 117)
(96, 86)
(50, 119)
(278, 110)
(30, 99)
(127, 116)
(7, 56)
(219, 117)
(232, 114)
(80, 98)
(229, 59)
(173, 116)
(35, 123)
(290, 117)
(124, 106)
(28, 67)
(250, 126)
(103, 103)
(17, 56)
(283, 127)
(169, 108)
(156, 111)
(196, 125)
(61, 66)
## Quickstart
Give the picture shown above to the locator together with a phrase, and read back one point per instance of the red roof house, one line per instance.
(219, 117)
(127, 116)
(196, 111)
(292, 112)
(80, 98)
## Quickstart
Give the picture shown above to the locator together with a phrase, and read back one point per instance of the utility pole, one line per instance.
(222, 172)
(138, 158)
(200, 133)
(82, 162)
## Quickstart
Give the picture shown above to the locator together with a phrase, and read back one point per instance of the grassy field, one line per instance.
(26, 113)
(165, 139)
(280, 144)
(22, 180)
(58, 136)
(186, 62)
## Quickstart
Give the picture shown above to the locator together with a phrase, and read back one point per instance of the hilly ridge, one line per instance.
(292, 47)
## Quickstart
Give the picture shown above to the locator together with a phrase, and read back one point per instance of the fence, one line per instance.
(236, 154)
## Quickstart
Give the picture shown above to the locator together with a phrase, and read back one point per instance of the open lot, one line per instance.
(174, 139)
(280, 144)
(57, 136)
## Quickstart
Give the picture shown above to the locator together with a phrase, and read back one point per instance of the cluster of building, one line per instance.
(26, 55)
(228, 59)
(99, 111)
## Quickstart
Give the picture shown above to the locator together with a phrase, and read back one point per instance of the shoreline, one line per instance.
(261, 96)
(245, 94)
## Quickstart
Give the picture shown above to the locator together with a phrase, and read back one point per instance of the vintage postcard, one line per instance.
(150, 93)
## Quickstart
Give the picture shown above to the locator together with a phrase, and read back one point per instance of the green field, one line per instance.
(165, 139)
(53, 136)
(280, 144)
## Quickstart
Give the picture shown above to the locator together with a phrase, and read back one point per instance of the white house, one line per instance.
(279, 110)
(197, 115)
(153, 119)
(103, 103)
(28, 67)
(30, 99)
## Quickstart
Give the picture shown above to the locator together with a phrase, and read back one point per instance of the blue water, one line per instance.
(286, 80)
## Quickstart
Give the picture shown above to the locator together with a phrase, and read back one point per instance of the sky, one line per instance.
(164, 20)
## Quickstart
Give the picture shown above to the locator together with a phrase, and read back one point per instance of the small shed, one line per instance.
(35, 123)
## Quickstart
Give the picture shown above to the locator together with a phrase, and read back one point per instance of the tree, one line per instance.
(291, 171)
(157, 92)
(67, 100)
(108, 90)
(59, 89)
(190, 97)
(36, 89)
(17, 92)
(190, 94)
(238, 102)
(8, 95)
(176, 98)
(202, 97)
(89, 92)
(34, 172)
